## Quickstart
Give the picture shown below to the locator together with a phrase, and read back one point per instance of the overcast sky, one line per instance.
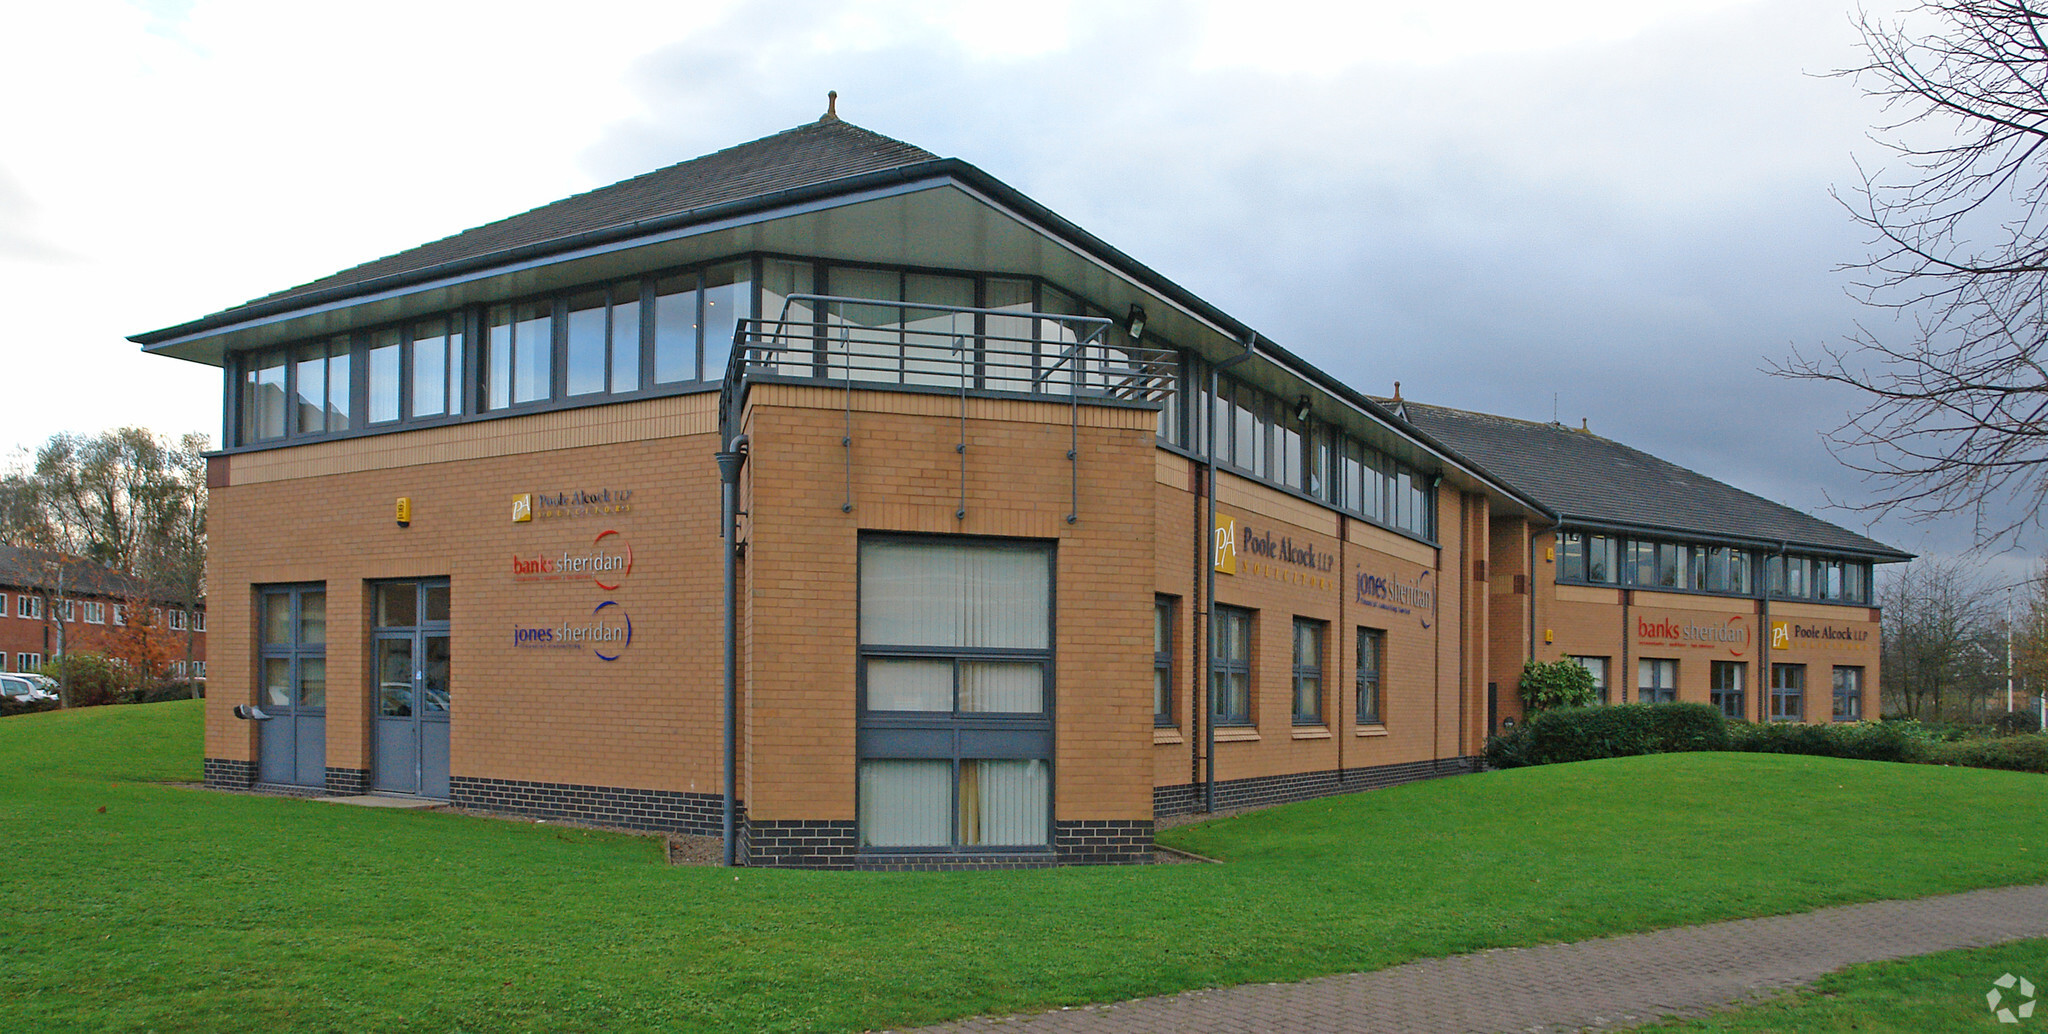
(1619, 206)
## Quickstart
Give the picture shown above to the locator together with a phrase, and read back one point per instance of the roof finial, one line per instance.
(1397, 391)
(831, 107)
(1583, 427)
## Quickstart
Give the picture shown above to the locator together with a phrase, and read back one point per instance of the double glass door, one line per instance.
(410, 663)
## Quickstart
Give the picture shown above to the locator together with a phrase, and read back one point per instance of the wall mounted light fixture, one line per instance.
(1136, 322)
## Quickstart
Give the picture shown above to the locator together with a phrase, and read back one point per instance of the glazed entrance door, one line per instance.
(410, 662)
(291, 747)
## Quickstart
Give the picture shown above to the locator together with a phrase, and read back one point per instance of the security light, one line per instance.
(1302, 409)
(1136, 321)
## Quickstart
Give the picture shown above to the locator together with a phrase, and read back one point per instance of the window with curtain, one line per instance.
(1162, 660)
(1656, 681)
(1230, 667)
(1372, 657)
(1308, 671)
(955, 694)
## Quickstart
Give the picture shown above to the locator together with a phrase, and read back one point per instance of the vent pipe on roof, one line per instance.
(831, 107)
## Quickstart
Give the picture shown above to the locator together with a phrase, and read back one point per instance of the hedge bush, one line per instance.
(1546, 685)
(2028, 753)
(1863, 741)
(1625, 730)
(10, 706)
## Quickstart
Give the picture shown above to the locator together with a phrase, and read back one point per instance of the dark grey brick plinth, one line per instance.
(669, 811)
(1261, 791)
(1103, 841)
(348, 782)
(800, 844)
(230, 774)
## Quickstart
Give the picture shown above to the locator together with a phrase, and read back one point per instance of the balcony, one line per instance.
(879, 345)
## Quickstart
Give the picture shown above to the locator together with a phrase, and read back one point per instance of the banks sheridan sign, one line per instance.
(607, 562)
(1674, 632)
(1396, 596)
(1785, 633)
(607, 633)
(531, 506)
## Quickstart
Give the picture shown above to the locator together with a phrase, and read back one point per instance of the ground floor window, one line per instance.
(1596, 667)
(1727, 679)
(955, 693)
(1162, 660)
(1788, 692)
(1308, 671)
(291, 681)
(1372, 658)
(1848, 694)
(1230, 667)
(27, 661)
(1656, 680)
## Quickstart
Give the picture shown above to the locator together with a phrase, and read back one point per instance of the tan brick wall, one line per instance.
(905, 476)
(650, 719)
(1626, 625)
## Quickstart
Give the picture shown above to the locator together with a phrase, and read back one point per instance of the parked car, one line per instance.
(26, 689)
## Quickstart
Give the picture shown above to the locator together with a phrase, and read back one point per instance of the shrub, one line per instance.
(1863, 741)
(10, 706)
(1626, 730)
(1508, 748)
(2024, 753)
(2014, 723)
(89, 679)
(1554, 684)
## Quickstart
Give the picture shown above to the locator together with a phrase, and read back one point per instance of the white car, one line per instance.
(26, 688)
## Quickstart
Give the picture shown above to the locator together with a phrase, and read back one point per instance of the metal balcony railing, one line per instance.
(874, 344)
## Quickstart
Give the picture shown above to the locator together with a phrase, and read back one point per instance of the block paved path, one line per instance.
(1610, 982)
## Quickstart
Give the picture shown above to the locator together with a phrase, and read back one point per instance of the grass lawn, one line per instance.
(133, 906)
(1937, 992)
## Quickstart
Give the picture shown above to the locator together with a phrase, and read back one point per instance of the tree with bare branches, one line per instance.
(1955, 411)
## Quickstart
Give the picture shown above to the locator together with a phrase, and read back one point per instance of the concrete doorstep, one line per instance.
(1599, 984)
(371, 800)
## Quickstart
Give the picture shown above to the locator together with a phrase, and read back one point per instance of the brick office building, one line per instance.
(470, 522)
(51, 602)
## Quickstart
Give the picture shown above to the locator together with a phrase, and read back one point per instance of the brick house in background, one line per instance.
(41, 591)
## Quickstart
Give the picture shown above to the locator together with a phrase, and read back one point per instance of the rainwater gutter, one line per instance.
(730, 462)
(1207, 711)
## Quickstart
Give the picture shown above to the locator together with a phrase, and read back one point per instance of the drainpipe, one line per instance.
(730, 463)
(1209, 608)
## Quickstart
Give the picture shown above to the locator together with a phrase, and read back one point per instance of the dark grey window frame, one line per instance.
(960, 736)
(1321, 631)
(1732, 699)
(294, 652)
(1855, 700)
(1162, 659)
(1781, 693)
(1220, 666)
(1657, 692)
(1370, 679)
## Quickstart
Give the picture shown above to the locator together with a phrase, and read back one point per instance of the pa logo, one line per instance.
(2023, 998)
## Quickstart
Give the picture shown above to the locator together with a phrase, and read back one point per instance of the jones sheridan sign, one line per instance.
(607, 632)
(1394, 595)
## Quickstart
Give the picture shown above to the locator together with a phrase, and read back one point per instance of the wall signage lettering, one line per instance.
(607, 632)
(1225, 544)
(607, 562)
(1287, 551)
(1785, 633)
(1672, 632)
(532, 506)
(1396, 596)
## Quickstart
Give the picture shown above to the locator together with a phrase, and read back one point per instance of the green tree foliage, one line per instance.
(1562, 683)
(1943, 651)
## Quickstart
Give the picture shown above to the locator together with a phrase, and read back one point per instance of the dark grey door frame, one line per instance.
(410, 747)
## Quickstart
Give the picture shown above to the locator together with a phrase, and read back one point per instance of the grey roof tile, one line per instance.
(1578, 474)
(816, 152)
